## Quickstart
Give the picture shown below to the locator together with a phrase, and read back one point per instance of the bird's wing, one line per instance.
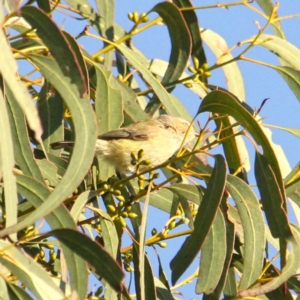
(140, 131)
(125, 134)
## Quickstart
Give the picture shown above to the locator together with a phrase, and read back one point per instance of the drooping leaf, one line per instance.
(192, 23)
(58, 45)
(213, 255)
(271, 197)
(36, 193)
(180, 40)
(253, 227)
(94, 254)
(267, 6)
(205, 217)
(85, 127)
(222, 102)
(29, 272)
(288, 270)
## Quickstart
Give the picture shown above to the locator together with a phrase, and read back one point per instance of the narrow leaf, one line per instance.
(192, 22)
(271, 197)
(204, 219)
(253, 228)
(94, 254)
(8, 69)
(222, 102)
(180, 40)
(22, 149)
(58, 45)
(29, 272)
(233, 75)
(7, 164)
(288, 270)
(140, 63)
(36, 193)
(213, 255)
(85, 127)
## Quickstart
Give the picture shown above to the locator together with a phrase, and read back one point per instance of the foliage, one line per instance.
(65, 215)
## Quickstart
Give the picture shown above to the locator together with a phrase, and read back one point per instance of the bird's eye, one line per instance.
(186, 125)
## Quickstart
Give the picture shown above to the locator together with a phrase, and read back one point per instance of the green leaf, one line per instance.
(59, 46)
(233, 76)
(172, 104)
(282, 48)
(253, 228)
(294, 131)
(292, 78)
(222, 102)
(80, 203)
(16, 292)
(108, 104)
(104, 265)
(6, 166)
(230, 240)
(159, 67)
(36, 193)
(162, 292)
(180, 40)
(267, 6)
(51, 113)
(149, 291)
(190, 192)
(22, 150)
(83, 153)
(30, 273)
(106, 23)
(204, 219)
(271, 197)
(233, 147)
(192, 23)
(9, 69)
(288, 270)
(213, 255)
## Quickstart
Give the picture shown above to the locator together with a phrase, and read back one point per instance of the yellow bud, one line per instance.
(130, 16)
(135, 17)
(122, 221)
(145, 162)
(145, 19)
(132, 215)
(141, 184)
(205, 66)
(188, 85)
(120, 198)
(196, 62)
(192, 69)
(124, 214)
(143, 177)
(111, 208)
(162, 244)
(207, 74)
(129, 207)
(116, 192)
(140, 154)
(172, 225)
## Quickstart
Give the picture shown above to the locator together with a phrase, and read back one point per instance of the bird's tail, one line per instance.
(62, 144)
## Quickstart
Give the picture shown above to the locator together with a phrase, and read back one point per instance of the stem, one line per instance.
(252, 44)
(218, 5)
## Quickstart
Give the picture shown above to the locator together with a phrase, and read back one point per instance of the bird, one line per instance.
(159, 138)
